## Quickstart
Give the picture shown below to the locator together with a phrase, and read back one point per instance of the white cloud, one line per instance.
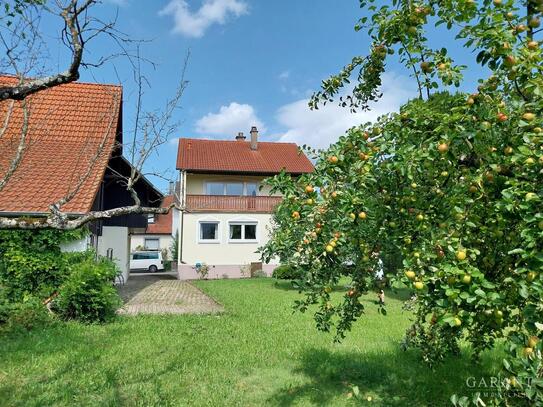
(284, 75)
(320, 128)
(195, 23)
(174, 141)
(229, 121)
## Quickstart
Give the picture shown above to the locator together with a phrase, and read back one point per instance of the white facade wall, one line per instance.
(224, 252)
(113, 237)
(117, 239)
(80, 245)
(175, 220)
(224, 258)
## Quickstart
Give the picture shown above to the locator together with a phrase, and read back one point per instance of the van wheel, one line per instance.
(152, 269)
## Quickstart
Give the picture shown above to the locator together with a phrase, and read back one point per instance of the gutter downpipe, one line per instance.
(181, 218)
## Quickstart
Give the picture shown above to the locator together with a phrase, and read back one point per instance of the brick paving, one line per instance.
(164, 294)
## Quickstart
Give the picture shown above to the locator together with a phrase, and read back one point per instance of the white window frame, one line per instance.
(198, 230)
(243, 222)
(224, 182)
(151, 218)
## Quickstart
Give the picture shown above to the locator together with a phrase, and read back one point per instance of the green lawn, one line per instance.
(257, 353)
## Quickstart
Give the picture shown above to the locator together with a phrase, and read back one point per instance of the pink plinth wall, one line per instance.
(188, 272)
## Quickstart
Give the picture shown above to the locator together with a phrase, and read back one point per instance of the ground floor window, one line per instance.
(152, 244)
(209, 231)
(242, 232)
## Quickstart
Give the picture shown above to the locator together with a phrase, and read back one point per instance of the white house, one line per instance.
(160, 232)
(227, 212)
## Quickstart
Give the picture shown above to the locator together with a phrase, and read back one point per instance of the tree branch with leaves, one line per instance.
(452, 184)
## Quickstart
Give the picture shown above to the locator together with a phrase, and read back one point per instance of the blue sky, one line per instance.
(253, 62)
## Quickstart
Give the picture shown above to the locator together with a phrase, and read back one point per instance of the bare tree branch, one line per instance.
(155, 130)
(70, 15)
(22, 142)
(65, 222)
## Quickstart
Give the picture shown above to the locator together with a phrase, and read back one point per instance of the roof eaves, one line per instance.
(11, 214)
(143, 178)
(240, 172)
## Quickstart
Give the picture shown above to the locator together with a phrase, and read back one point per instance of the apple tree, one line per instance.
(453, 183)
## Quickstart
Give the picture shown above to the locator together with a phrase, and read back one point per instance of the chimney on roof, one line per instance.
(254, 138)
(240, 136)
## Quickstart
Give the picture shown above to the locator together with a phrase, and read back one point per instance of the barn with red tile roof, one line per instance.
(72, 147)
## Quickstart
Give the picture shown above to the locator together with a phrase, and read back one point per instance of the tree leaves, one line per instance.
(463, 220)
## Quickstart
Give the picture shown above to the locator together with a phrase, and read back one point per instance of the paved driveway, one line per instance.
(164, 294)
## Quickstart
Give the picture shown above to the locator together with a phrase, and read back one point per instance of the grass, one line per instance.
(256, 353)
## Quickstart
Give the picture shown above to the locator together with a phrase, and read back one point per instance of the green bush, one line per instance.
(88, 293)
(258, 274)
(5, 308)
(31, 262)
(286, 272)
(33, 268)
(22, 316)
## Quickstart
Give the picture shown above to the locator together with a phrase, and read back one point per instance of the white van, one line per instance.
(149, 260)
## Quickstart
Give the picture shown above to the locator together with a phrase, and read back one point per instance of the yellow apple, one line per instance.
(410, 274)
(461, 255)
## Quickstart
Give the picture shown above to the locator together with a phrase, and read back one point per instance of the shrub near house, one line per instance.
(87, 294)
(33, 269)
(286, 272)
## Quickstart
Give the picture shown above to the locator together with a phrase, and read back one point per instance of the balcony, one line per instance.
(224, 203)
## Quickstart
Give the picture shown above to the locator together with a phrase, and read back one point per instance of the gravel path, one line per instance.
(164, 294)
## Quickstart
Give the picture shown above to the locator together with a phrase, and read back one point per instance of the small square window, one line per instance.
(151, 218)
(152, 244)
(209, 231)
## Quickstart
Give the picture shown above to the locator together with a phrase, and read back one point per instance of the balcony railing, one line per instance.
(222, 203)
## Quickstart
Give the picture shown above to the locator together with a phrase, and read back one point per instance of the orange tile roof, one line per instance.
(200, 155)
(67, 125)
(163, 223)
